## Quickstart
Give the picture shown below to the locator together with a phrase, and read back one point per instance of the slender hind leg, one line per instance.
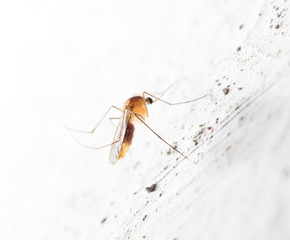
(90, 147)
(92, 131)
(137, 116)
(71, 130)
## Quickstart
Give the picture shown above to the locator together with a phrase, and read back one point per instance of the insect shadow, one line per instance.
(134, 111)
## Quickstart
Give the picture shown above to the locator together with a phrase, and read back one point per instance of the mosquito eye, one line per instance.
(149, 100)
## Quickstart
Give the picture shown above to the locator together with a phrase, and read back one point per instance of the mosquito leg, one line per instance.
(90, 147)
(137, 116)
(157, 98)
(92, 131)
(113, 118)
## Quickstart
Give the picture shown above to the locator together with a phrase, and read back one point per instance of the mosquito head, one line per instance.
(149, 100)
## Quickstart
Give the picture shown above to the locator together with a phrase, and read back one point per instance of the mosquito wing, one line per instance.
(119, 136)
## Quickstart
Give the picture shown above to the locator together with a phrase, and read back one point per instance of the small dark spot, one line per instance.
(103, 220)
(144, 236)
(241, 69)
(177, 194)
(160, 195)
(201, 125)
(199, 133)
(228, 148)
(219, 84)
(209, 128)
(144, 218)
(226, 90)
(240, 88)
(165, 168)
(152, 188)
(170, 151)
(241, 118)
(241, 26)
(211, 137)
(176, 174)
(239, 49)
(277, 26)
(217, 120)
(237, 107)
(260, 14)
(195, 142)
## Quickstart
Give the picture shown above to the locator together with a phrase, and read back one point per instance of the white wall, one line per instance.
(78, 58)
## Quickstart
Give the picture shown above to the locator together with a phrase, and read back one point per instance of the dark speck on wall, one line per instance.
(152, 188)
(226, 90)
(170, 151)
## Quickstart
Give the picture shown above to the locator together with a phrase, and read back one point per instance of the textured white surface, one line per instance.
(81, 57)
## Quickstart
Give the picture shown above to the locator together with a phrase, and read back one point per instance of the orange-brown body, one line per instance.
(138, 106)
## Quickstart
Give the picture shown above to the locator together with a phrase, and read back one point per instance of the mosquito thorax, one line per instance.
(149, 100)
(137, 105)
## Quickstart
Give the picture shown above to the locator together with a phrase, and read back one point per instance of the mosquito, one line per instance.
(134, 111)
